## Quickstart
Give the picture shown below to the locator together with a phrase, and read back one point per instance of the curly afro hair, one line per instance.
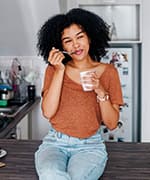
(97, 30)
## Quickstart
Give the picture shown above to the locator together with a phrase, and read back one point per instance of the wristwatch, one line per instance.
(102, 99)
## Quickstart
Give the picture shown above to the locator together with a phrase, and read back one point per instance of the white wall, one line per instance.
(19, 22)
(146, 73)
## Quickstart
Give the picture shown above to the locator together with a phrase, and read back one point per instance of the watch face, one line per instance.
(105, 98)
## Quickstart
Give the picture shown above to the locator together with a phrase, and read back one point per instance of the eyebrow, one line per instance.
(75, 35)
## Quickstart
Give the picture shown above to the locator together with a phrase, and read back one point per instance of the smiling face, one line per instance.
(76, 42)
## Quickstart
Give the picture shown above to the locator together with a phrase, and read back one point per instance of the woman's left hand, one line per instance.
(97, 86)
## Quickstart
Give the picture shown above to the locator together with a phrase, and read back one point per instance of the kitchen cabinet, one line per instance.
(18, 125)
(22, 130)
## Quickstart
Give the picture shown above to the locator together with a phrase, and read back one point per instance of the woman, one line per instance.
(74, 149)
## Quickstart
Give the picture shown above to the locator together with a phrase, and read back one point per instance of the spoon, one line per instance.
(66, 52)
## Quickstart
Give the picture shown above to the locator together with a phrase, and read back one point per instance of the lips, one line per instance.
(78, 52)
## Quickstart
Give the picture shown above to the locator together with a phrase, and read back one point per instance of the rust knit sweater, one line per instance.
(78, 114)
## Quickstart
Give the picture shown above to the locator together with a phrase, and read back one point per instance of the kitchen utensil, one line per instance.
(6, 92)
(31, 77)
(2, 153)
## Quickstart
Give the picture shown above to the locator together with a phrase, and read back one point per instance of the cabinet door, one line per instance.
(122, 19)
(22, 128)
(123, 16)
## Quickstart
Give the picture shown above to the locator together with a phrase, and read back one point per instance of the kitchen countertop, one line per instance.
(26, 108)
(127, 161)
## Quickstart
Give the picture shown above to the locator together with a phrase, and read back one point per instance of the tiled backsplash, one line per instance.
(29, 63)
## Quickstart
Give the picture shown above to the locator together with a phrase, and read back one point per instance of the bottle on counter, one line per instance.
(31, 92)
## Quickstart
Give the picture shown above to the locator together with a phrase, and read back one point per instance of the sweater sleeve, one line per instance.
(112, 85)
(115, 90)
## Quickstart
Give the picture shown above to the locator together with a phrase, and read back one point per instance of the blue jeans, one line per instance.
(61, 157)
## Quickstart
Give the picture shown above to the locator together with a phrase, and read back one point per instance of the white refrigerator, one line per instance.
(126, 60)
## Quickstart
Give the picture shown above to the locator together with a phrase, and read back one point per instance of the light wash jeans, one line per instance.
(61, 157)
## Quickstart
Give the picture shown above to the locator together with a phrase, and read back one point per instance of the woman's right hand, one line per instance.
(55, 58)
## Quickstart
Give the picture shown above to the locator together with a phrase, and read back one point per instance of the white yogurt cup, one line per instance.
(86, 82)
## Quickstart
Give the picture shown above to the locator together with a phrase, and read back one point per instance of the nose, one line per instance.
(75, 43)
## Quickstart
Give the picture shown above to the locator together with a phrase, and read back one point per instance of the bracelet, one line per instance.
(102, 99)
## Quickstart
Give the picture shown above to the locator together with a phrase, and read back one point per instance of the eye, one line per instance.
(80, 37)
(67, 41)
